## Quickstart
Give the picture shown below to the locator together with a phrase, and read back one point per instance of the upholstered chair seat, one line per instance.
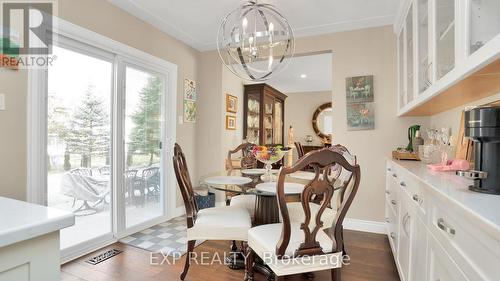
(220, 223)
(246, 201)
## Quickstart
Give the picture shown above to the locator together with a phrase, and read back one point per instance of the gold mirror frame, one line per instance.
(315, 120)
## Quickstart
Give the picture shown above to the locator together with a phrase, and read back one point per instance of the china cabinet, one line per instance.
(444, 45)
(264, 115)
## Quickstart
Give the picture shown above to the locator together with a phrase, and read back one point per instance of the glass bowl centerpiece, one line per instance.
(268, 156)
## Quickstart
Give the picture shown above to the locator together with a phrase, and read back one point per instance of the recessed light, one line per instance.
(303, 76)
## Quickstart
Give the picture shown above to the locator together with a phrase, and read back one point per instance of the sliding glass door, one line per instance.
(143, 134)
(79, 142)
(105, 128)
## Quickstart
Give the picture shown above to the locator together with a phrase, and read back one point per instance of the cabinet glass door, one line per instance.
(268, 120)
(424, 80)
(401, 70)
(253, 118)
(484, 22)
(278, 122)
(445, 37)
(409, 56)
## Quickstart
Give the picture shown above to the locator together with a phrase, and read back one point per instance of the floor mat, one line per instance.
(168, 238)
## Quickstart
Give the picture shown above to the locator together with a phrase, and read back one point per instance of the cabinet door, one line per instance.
(441, 266)
(252, 133)
(268, 120)
(278, 122)
(444, 34)
(424, 61)
(484, 22)
(401, 72)
(409, 56)
(418, 269)
(405, 230)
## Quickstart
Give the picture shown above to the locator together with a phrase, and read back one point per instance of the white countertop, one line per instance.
(484, 207)
(20, 221)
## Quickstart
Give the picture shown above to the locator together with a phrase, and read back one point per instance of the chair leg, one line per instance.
(190, 248)
(336, 274)
(249, 261)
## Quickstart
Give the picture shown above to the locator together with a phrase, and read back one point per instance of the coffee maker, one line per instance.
(482, 125)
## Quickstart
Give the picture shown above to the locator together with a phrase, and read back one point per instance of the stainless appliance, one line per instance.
(482, 125)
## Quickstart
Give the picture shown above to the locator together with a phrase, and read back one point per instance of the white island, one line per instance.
(29, 240)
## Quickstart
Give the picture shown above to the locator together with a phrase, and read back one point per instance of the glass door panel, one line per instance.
(79, 143)
(401, 47)
(268, 120)
(424, 80)
(409, 55)
(278, 123)
(484, 22)
(143, 133)
(445, 37)
(253, 118)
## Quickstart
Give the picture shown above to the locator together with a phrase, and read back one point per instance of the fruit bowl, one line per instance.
(269, 156)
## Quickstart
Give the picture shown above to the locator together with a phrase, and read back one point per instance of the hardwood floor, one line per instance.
(371, 260)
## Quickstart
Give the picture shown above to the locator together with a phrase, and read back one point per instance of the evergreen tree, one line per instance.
(146, 133)
(89, 132)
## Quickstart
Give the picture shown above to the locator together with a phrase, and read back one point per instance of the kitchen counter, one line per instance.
(483, 208)
(20, 221)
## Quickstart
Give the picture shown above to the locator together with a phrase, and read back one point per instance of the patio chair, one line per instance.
(81, 187)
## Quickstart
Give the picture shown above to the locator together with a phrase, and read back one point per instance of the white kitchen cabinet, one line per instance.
(441, 42)
(483, 23)
(436, 232)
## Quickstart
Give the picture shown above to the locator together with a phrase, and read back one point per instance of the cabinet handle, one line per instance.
(389, 169)
(393, 235)
(442, 225)
(393, 202)
(394, 175)
(417, 199)
(406, 218)
(403, 184)
(387, 220)
(387, 192)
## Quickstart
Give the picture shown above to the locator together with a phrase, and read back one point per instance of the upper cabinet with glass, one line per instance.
(484, 22)
(441, 44)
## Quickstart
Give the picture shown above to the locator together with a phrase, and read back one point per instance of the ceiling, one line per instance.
(317, 68)
(196, 22)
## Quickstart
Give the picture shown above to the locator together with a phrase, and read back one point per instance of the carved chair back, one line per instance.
(248, 161)
(322, 161)
(300, 149)
(185, 185)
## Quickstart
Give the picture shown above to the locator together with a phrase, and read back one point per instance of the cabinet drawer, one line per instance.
(391, 221)
(414, 190)
(441, 266)
(476, 253)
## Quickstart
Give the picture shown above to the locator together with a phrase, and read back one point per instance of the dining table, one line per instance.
(248, 181)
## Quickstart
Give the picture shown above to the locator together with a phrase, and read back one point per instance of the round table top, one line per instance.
(250, 188)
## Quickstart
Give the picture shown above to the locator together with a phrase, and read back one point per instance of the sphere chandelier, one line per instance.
(255, 41)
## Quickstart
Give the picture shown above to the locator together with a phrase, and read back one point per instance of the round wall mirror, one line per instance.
(323, 121)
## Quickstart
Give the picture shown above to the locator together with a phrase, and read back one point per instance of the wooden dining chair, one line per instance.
(217, 223)
(248, 161)
(300, 149)
(291, 247)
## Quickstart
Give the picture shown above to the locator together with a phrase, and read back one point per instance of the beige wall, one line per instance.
(451, 118)
(13, 134)
(299, 110)
(104, 18)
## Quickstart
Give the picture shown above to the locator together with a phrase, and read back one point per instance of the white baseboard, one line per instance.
(351, 224)
(365, 226)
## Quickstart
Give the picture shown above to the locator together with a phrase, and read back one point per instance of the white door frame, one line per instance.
(37, 130)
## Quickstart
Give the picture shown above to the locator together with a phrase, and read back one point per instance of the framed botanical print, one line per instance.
(230, 122)
(231, 103)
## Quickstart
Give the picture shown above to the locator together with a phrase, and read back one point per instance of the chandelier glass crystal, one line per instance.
(255, 41)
